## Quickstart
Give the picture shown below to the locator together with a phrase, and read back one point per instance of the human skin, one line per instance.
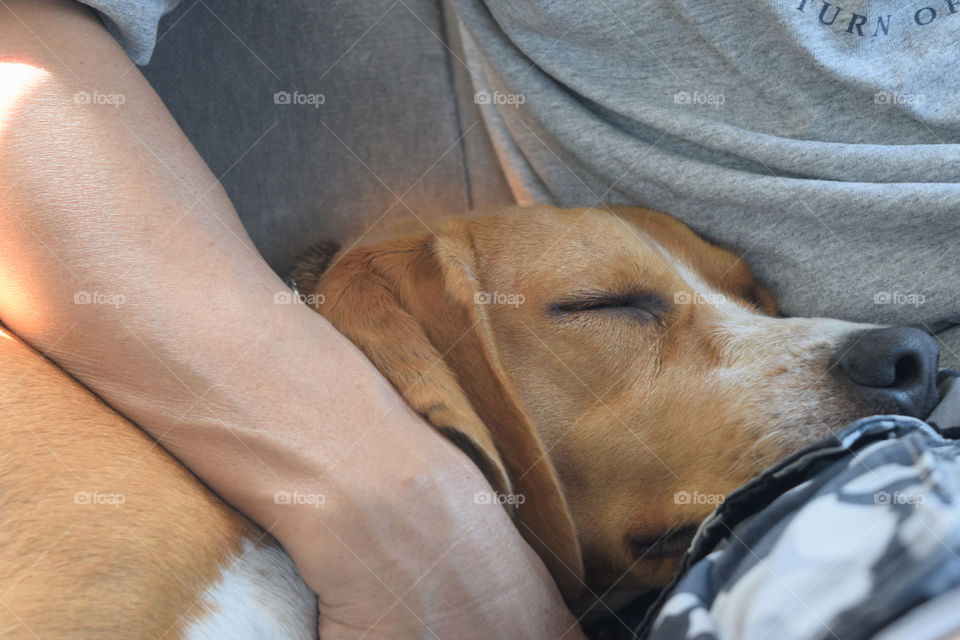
(254, 397)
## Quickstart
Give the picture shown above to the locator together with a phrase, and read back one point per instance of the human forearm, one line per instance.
(114, 204)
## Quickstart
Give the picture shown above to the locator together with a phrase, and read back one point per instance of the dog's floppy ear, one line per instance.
(411, 304)
(362, 297)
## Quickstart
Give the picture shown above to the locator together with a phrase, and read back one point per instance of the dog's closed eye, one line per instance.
(637, 305)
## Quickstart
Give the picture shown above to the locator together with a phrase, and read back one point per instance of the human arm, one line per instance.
(254, 397)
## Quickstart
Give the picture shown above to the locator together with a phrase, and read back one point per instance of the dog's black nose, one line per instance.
(897, 364)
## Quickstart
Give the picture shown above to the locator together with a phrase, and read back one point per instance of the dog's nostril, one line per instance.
(907, 370)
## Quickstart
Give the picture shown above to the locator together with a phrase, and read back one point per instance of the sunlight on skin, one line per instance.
(17, 80)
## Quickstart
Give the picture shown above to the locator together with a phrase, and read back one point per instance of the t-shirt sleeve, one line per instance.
(133, 23)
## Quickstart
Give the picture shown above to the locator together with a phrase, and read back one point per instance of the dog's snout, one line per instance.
(897, 364)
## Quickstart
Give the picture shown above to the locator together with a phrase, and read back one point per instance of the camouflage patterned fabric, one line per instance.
(854, 536)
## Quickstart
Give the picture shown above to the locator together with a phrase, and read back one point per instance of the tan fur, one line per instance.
(600, 421)
(96, 570)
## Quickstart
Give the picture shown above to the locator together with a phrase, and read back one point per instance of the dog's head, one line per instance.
(611, 373)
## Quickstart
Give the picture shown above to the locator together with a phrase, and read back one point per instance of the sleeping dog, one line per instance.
(611, 367)
(611, 373)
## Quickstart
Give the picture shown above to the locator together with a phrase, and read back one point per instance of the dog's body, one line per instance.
(107, 536)
(595, 364)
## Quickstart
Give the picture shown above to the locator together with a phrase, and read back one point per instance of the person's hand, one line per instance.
(397, 555)
(400, 549)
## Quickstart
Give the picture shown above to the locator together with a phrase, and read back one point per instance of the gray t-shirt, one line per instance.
(821, 140)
